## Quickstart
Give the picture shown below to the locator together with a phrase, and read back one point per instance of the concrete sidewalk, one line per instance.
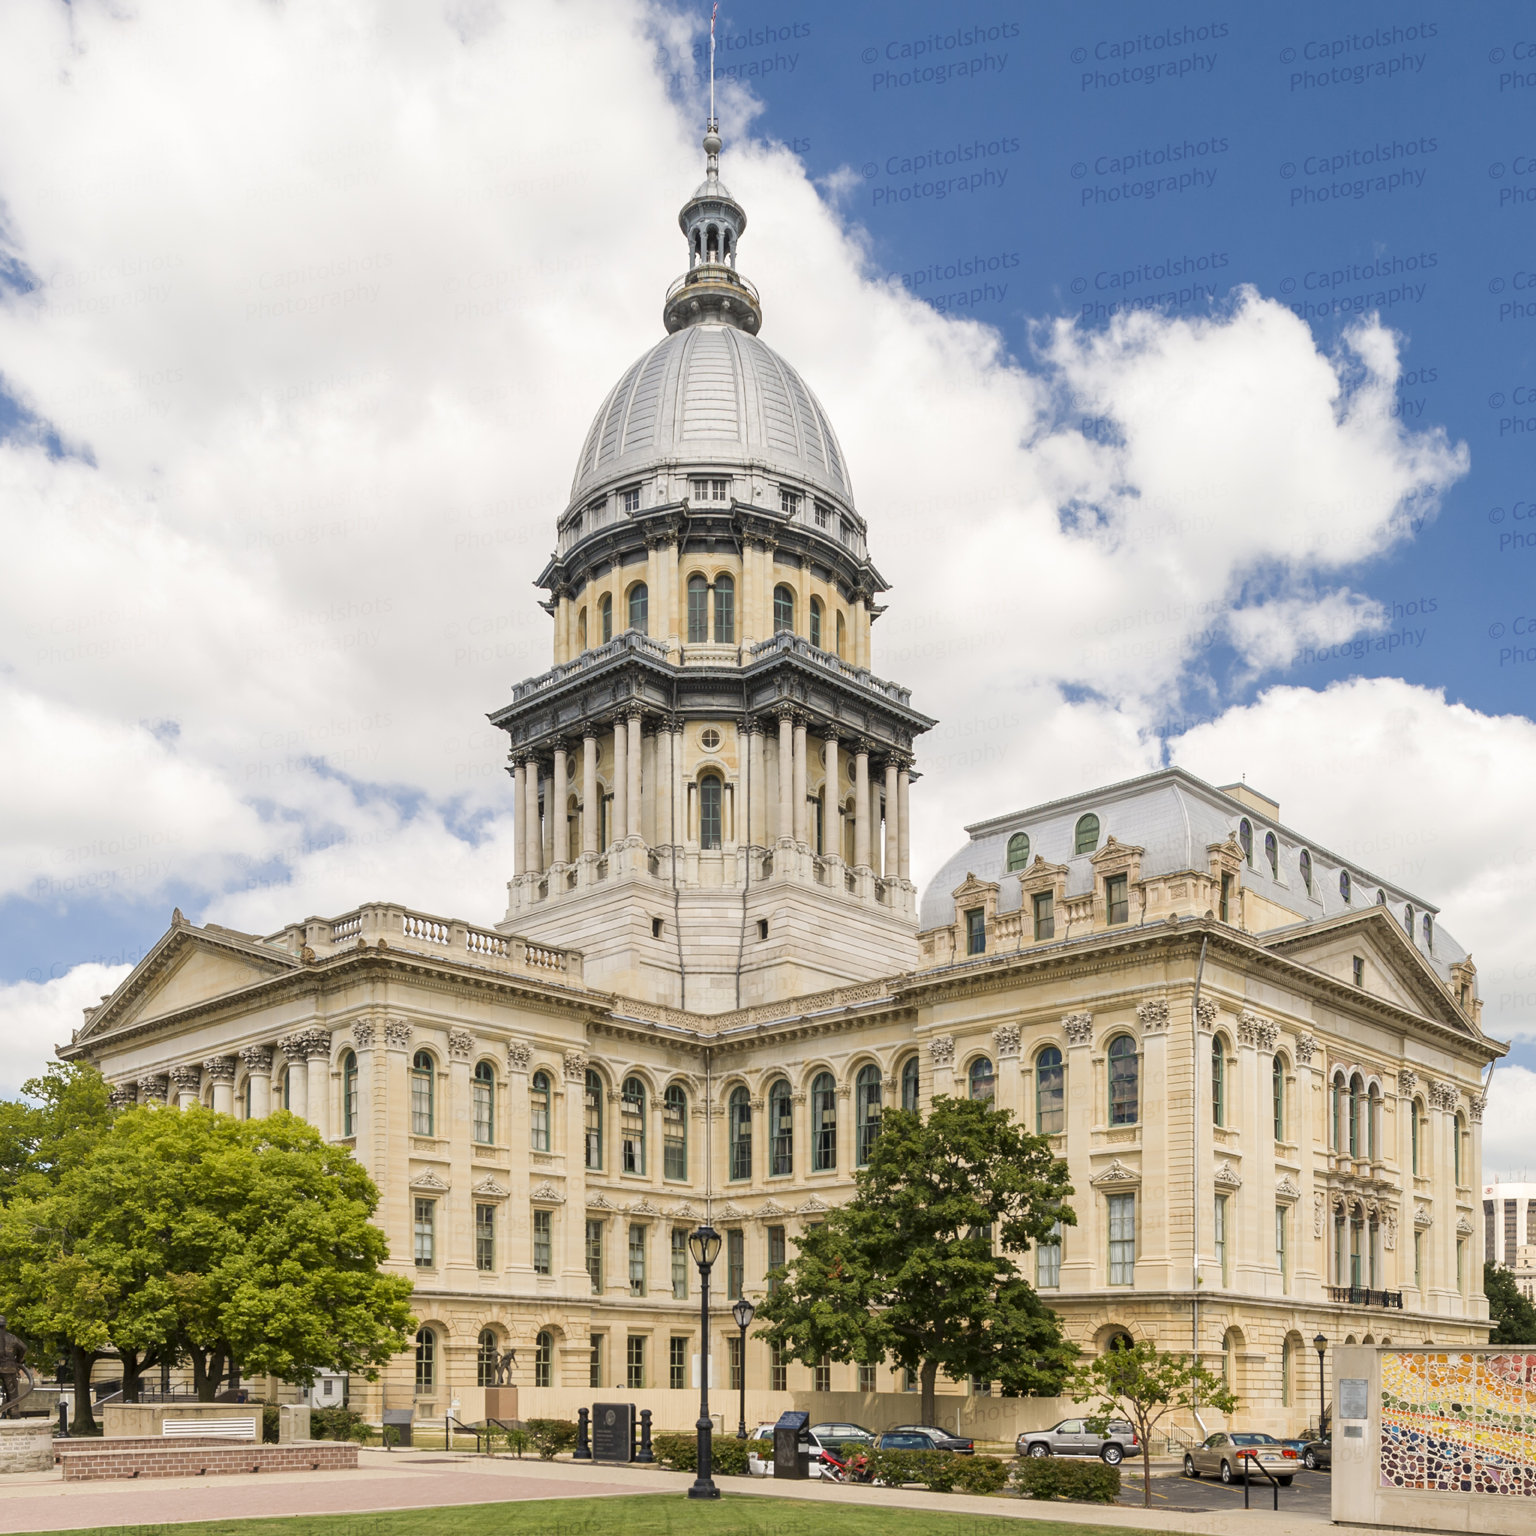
(395, 1480)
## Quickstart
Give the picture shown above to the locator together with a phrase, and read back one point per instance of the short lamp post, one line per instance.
(704, 1245)
(743, 1312)
(1320, 1344)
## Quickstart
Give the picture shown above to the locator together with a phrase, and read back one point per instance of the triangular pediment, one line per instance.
(972, 889)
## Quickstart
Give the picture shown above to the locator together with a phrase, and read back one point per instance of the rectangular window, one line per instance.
(867, 1378)
(776, 1257)
(1418, 1260)
(637, 1259)
(735, 1263)
(1461, 1265)
(976, 931)
(1359, 965)
(631, 500)
(1117, 902)
(733, 1362)
(485, 1238)
(1338, 1250)
(908, 1381)
(484, 1097)
(421, 1102)
(426, 1233)
(677, 1364)
(823, 515)
(679, 1264)
(1226, 898)
(595, 1256)
(592, 1108)
(674, 1137)
(1045, 916)
(778, 1374)
(821, 1375)
(848, 533)
(789, 502)
(1282, 1250)
(1122, 1239)
(1048, 1260)
(632, 1132)
(634, 1362)
(542, 1223)
(1221, 1239)
(595, 1369)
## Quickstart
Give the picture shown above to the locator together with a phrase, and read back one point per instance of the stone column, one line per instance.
(831, 805)
(616, 833)
(294, 1050)
(892, 832)
(1085, 1247)
(861, 807)
(660, 786)
(632, 821)
(748, 616)
(154, 1089)
(533, 838)
(455, 1122)
(520, 816)
(222, 1070)
(562, 848)
(904, 823)
(258, 1065)
(547, 840)
(590, 816)
(801, 807)
(757, 766)
(188, 1081)
(317, 1068)
(649, 813)
(679, 799)
(786, 828)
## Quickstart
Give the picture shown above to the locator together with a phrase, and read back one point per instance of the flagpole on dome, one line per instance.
(713, 121)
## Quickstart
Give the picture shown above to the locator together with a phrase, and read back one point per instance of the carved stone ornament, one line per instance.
(221, 1069)
(769, 1209)
(187, 1079)
(1407, 1081)
(122, 1095)
(1207, 1013)
(1078, 1027)
(1319, 1201)
(1306, 1048)
(576, 1066)
(1463, 1227)
(1422, 1217)
(1153, 1014)
(519, 1056)
(797, 1096)
(1269, 1035)
(1227, 1177)
(362, 1033)
(1285, 1189)
(1005, 1040)
(304, 1043)
(684, 1213)
(430, 1182)
(942, 1049)
(460, 1043)
(153, 1088)
(489, 1189)
(547, 1194)
(397, 1033)
(1116, 1173)
(1248, 1028)
(844, 1088)
(1389, 1230)
(641, 1207)
(598, 1201)
(257, 1059)
(730, 1211)
(1443, 1096)
(1477, 1105)
(812, 1207)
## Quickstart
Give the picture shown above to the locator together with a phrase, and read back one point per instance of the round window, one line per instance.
(709, 738)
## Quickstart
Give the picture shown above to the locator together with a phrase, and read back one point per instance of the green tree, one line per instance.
(1513, 1316)
(68, 1115)
(1141, 1387)
(908, 1271)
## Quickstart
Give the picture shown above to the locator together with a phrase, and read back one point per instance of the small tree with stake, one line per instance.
(1138, 1386)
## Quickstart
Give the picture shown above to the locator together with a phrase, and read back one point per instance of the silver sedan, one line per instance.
(1224, 1456)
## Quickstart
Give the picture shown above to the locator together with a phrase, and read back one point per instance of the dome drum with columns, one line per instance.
(712, 763)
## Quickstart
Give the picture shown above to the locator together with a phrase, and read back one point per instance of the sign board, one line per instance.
(1354, 1397)
(613, 1432)
(791, 1445)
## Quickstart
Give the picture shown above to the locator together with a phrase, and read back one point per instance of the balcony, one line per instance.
(1362, 1296)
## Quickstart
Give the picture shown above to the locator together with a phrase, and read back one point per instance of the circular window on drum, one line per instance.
(709, 739)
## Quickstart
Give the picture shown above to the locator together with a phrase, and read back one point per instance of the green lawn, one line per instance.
(642, 1515)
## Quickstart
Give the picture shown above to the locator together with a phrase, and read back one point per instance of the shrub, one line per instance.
(1052, 1477)
(728, 1457)
(980, 1474)
(362, 1433)
(551, 1436)
(332, 1423)
(269, 1422)
(518, 1440)
(893, 1468)
(391, 1436)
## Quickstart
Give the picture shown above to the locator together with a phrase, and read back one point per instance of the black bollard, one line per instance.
(583, 1451)
(63, 1420)
(646, 1453)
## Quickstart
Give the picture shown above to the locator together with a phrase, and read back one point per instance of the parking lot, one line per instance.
(1307, 1495)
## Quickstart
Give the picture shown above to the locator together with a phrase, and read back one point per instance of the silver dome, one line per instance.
(712, 394)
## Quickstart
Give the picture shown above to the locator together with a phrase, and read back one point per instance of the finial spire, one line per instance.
(714, 122)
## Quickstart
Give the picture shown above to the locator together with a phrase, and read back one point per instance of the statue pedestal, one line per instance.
(26, 1445)
(501, 1404)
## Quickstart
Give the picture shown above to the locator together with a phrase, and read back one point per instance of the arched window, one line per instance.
(1272, 855)
(866, 1122)
(1218, 1080)
(823, 1123)
(483, 1092)
(1050, 1093)
(639, 608)
(1417, 1160)
(1245, 840)
(709, 811)
(1338, 1113)
(543, 1359)
(1381, 897)
(348, 1094)
(581, 630)
(698, 611)
(725, 611)
(606, 609)
(739, 1133)
(1086, 839)
(1306, 871)
(632, 1124)
(1287, 1371)
(422, 1083)
(592, 1108)
(538, 1105)
(674, 1132)
(1373, 1123)
(841, 629)
(815, 635)
(983, 1080)
(1429, 933)
(485, 1359)
(1344, 891)
(1458, 1132)
(1124, 1081)
(1277, 1089)
(910, 1091)
(1408, 921)
(1356, 1092)
(426, 1361)
(783, 609)
(781, 1129)
(1117, 1341)
(1018, 852)
(246, 1098)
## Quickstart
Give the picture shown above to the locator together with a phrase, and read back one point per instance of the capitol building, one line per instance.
(1261, 1062)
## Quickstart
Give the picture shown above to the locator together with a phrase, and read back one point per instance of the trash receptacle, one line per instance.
(792, 1445)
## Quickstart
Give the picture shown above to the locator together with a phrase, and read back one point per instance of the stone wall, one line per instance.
(26, 1445)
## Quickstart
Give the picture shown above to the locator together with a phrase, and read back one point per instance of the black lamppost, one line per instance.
(704, 1245)
(1320, 1344)
(743, 1312)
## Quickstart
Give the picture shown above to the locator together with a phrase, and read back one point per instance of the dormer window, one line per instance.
(1018, 852)
(1429, 933)
(631, 499)
(1344, 889)
(789, 502)
(823, 515)
(1306, 871)
(847, 532)
(1408, 921)
(1086, 838)
(1245, 840)
(1117, 901)
(1272, 855)
(1358, 968)
(976, 931)
(710, 490)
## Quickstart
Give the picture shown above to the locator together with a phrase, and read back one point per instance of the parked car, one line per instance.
(1072, 1437)
(760, 1463)
(1318, 1454)
(909, 1440)
(1223, 1456)
(1297, 1444)
(961, 1445)
(834, 1435)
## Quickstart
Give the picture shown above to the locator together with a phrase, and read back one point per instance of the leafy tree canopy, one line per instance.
(68, 1114)
(1511, 1312)
(908, 1271)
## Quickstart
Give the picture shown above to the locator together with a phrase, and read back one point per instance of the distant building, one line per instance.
(1509, 1231)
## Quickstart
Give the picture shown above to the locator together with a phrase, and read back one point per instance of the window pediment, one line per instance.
(1040, 877)
(1117, 858)
(1117, 1176)
(429, 1183)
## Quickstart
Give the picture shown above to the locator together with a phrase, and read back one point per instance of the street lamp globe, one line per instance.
(704, 1245)
(743, 1312)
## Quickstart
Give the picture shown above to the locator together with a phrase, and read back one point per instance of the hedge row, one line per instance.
(940, 1471)
(681, 1454)
(1054, 1477)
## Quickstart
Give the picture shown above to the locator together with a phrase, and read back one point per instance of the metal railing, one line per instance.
(1363, 1296)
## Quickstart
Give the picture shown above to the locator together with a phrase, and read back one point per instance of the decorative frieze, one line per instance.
(1227, 1177)
(1078, 1028)
(1422, 1218)
(1464, 1227)
(428, 1182)
(1286, 1190)
(489, 1189)
(942, 1050)
(547, 1194)
(1153, 1014)
(1116, 1173)
(397, 1034)
(1306, 1048)
(519, 1056)
(1005, 1041)
(257, 1059)
(1407, 1081)
(461, 1044)
(576, 1066)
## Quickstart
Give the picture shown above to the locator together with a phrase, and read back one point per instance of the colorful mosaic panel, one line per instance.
(1459, 1422)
